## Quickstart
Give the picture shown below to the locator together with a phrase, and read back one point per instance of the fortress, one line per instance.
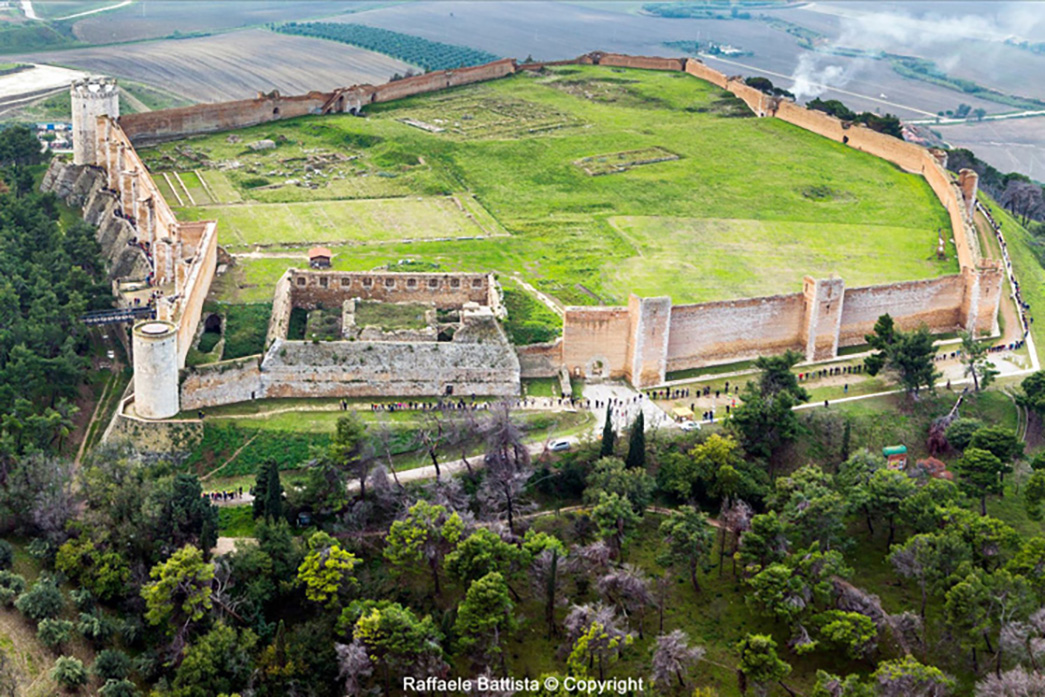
(641, 342)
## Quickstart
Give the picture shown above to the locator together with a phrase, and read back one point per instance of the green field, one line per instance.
(749, 207)
(360, 222)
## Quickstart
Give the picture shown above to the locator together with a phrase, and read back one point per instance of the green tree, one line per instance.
(481, 553)
(959, 432)
(326, 572)
(637, 444)
(609, 436)
(764, 543)
(69, 672)
(812, 511)
(909, 354)
(981, 472)
(830, 685)
(599, 644)
(1029, 562)
(690, 542)
(268, 491)
(760, 666)
(906, 676)
(610, 475)
(776, 376)
(976, 607)
(425, 536)
(921, 510)
(1000, 442)
(932, 560)
(1032, 393)
(886, 491)
(348, 452)
(397, 641)
(219, 662)
(1034, 495)
(975, 358)
(852, 632)
(179, 593)
(764, 424)
(615, 519)
(485, 616)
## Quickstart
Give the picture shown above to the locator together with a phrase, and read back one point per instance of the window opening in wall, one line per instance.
(390, 283)
(433, 283)
(323, 282)
(455, 283)
(346, 281)
(301, 280)
(367, 282)
(477, 283)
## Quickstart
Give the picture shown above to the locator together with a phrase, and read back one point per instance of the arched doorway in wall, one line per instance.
(212, 323)
(597, 368)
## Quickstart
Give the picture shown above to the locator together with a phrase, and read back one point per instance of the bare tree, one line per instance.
(507, 467)
(629, 589)
(673, 657)
(736, 520)
(1018, 682)
(353, 663)
(384, 436)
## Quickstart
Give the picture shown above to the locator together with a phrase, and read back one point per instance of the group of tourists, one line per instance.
(223, 496)
(1025, 317)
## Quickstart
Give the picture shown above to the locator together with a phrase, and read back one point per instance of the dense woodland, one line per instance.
(49, 275)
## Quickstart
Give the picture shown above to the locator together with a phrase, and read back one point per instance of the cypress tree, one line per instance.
(608, 435)
(637, 444)
(260, 490)
(273, 493)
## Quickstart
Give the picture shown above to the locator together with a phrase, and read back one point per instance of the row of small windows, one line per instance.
(368, 282)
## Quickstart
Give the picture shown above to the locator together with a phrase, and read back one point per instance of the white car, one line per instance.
(689, 426)
(557, 446)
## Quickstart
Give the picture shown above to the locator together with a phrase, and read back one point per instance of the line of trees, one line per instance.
(430, 55)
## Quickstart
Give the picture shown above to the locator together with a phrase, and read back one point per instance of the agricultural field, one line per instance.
(742, 206)
(185, 67)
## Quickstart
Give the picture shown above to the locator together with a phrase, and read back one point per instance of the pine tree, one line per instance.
(609, 436)
(637, 444)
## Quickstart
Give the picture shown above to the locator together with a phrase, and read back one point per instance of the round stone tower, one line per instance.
(91, 97)
(155, 369)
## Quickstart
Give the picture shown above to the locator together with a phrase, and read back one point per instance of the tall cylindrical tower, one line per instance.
(91, 97)
(155, 369)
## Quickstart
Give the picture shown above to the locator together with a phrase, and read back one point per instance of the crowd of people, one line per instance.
(223, 496)
(1025, 317)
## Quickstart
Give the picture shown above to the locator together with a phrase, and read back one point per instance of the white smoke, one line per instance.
(932, 35)
(813, 75)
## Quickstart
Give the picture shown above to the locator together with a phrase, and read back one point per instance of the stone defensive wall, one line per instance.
(170, 124)
(640, 342)
(540, 360)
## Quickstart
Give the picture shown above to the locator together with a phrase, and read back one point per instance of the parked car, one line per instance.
(557, 446)
(689, 426)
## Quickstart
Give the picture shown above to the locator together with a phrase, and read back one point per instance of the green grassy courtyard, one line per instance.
(729, 207)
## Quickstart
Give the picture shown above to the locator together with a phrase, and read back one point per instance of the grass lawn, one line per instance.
(361, 222)
(750, 205)
(391, 316)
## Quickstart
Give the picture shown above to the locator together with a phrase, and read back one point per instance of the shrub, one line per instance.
(111, 664)
(95, 627)
(7, 554)
(53, 633)
(69, 672)
(42, 601)
(118, 688)
(11, 586)
(83, 599)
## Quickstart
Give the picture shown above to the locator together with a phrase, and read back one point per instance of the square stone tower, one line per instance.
(91, 97)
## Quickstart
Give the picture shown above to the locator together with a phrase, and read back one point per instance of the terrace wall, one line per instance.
(540, 360)
(227, 382)
(169, 124)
